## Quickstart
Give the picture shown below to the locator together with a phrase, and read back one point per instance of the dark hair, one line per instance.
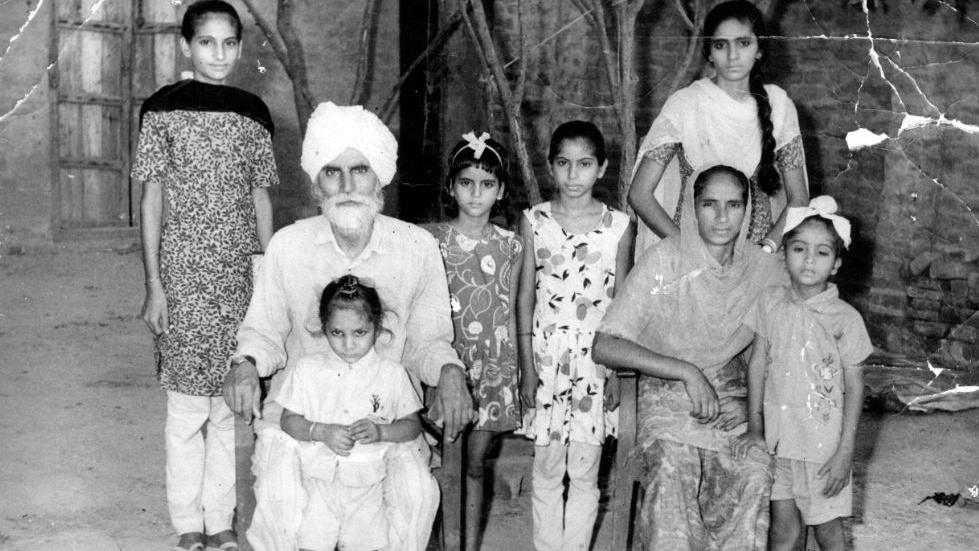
(746, 12)
(838, 245)
(349, 293)
(704, 177)
(198, 11)
(493, 159)
(573, 130)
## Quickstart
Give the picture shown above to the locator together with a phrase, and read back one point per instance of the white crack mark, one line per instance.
(20, 31)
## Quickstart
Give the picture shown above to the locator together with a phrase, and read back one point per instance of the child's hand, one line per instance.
(336, 438)
(612, 391)
(741, 445)
(528, 390)
(365, 431)
(155, 312)
(837, 472)
(734, 411)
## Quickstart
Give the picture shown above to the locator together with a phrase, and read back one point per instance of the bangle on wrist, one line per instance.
(311, 428)
(235, 362)
(769, 245)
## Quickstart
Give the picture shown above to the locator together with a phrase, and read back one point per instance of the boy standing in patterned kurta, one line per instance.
(205, 162)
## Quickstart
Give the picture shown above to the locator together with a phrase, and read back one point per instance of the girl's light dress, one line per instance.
(575, 283)
(480, 277)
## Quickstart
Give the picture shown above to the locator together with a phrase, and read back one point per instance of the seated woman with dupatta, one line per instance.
(678, 321)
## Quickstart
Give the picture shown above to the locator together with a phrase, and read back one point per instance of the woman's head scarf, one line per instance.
(680, 302)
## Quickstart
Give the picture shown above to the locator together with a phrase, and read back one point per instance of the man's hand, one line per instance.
(241, 390)
(365, 431)
(155, 312)
(454, 399)
(706, 406)
(733, 412)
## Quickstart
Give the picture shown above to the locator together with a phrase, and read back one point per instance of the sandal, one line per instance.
(191, 541)
(226, 540)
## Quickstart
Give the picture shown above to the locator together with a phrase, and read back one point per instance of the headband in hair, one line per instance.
(478, 145)
(823, 206)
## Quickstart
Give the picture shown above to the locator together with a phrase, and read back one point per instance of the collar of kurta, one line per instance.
(377, 243)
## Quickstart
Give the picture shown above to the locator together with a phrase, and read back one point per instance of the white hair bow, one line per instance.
(823, 206)
(478, 145)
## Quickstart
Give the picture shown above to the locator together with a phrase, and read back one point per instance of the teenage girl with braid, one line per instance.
(731, 118)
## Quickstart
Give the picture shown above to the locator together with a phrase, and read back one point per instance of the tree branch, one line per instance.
(275, 41)
(437, 43)
(364, 78)
(305, 102)
(482, 33)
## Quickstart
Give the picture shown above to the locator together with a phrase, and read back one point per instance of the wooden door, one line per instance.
(107, 57)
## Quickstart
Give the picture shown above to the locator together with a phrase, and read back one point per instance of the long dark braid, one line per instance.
(768, 177)
(746, 12)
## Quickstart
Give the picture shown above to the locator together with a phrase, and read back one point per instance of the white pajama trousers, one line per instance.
(560, 526)
(200, 469)
(411, 495)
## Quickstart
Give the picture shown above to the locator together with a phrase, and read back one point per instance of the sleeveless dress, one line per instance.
(575, 284)
(480, 276)
(208, 145)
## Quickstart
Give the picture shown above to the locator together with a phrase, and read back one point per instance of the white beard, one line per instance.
(356, 219)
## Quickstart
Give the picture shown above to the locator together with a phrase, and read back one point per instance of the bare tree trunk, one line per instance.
(287, 48)
(364, 79)
(484, 43)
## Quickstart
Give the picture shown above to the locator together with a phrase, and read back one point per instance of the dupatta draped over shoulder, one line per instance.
(710, 128)
(194, 95)
(679, 301)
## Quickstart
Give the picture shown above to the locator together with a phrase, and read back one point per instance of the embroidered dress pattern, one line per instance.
(480, 276)
(575, 283)
(208, 163)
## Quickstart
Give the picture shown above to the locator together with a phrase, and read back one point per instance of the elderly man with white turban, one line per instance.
(349, 155)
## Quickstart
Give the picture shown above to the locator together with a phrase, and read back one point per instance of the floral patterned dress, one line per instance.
(208, 162)
(480, 276)
(575, 284)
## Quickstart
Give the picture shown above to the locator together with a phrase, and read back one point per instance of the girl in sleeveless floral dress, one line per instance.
(576, 248)
(482, 261)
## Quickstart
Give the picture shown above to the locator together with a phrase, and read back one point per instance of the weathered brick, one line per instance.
(925, 304)
(949, 270)
(923, 315)
(921, 262)
(930, 294)
(958, 289)
(931, 328)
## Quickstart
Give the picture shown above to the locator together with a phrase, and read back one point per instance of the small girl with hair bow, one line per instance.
(482, 261)
(805, 381)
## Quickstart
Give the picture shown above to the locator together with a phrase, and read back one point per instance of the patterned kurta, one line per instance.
(575, 284)
(480, 276)
(208, 163)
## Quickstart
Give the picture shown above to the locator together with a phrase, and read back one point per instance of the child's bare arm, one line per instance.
(525, 316)
(263, 215)
(837, 469)
(405, 429)
(755, 435)
(333, 435)
(155, 312)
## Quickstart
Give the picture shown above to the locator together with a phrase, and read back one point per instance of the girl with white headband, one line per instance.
(805, 381)
(482, 262)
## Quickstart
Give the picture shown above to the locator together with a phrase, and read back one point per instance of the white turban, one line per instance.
(332, 129)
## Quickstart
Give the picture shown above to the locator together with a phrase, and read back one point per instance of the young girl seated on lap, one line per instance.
(482, 261)
(805, 381)
(343, 406)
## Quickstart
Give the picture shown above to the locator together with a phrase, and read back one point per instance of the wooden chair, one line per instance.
(628, 464)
